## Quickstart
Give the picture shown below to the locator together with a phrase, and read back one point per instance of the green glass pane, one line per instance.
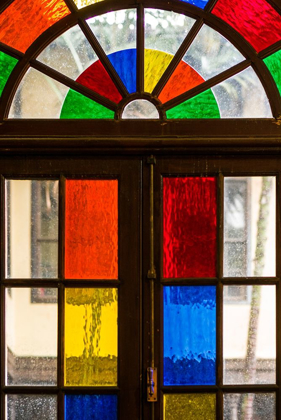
(273, 63)
(7, 64)
(79, 106)
(190, 406)
(203, 105)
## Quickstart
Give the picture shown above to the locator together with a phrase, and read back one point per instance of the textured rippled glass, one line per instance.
(249, 226)
(38, 96)
(249, 406)
(91, 229)
(91, 337)
(115, 31)
(125, 64)
(183, 79)
(31, 337)
(203, 105)
(189, 335)
(189, 230)
(20, 25)
(84, 3)
(7, 64)
(273, 63)
(91, 407)
(255, 20)
(31, 407)
(249, 336)
(190, 407)
(70, 53)
(32, 231)
(198, 3)
(78, 106)
(155, 64)
(211, 53)
(140, 109)
(165, 31)
(242, 96)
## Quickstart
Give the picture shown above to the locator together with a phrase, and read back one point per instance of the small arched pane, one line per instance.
(140, 109)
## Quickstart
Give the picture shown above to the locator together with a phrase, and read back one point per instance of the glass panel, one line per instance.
(203, 105)
(261, 30)
(165, 31)
(125, 64)
(80, 106)
(21, 25)
(31, 407)
(91, 337)
(249, 344)
(242, 96)
(91, 229)
(273, 63)
(211, 53)
(198, 3)
(190, 225)
(91, 407)
(140, 109)
(32, 229)
(115, 31)
(84, 3)
(69, 54)
(249, 406)
(38, 96)
(189, 335)
(31, 338)
(249, 226)
(7, 64)
(155, 63)
(189, 406)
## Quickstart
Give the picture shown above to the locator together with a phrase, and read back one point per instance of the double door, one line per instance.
(139, 287)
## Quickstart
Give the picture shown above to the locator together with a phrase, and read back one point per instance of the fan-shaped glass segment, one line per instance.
(203, 105)
(80, 107)
(7, 64)
(256, 20)
(38, 96)
(165, 31)
(70, 53)
(84, 3)
(22, 22)
(198, 3)
(211, 53)
(115, 31)
(242, 96)
(155, 63)
(273, 63)
(140, 109)
(125, 64)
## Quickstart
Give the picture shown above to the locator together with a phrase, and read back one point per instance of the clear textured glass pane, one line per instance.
(211, 53)
(140, 109)
(38, 96)
(32, 228)
(31, 407)
(242, 96)
(165, 31)
(91, 407)
(69, 54)
(249, 406)
(91, 337)
(249, 226)
(189, 407)
(249, 343)
(31, 336)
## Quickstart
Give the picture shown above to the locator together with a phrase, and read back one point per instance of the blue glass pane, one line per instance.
(198, 3)
(189, 335)
(91, 407)
(125, 64)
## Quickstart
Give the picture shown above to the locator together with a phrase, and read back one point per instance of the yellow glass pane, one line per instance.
(155, 64)
(91, 336)
(189, 406)
(85, 3)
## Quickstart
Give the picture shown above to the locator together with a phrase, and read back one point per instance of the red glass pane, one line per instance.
(190, 226)
(97, 79)
(23, 21)
(183, 79)
(256, 20)
(91, 229)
